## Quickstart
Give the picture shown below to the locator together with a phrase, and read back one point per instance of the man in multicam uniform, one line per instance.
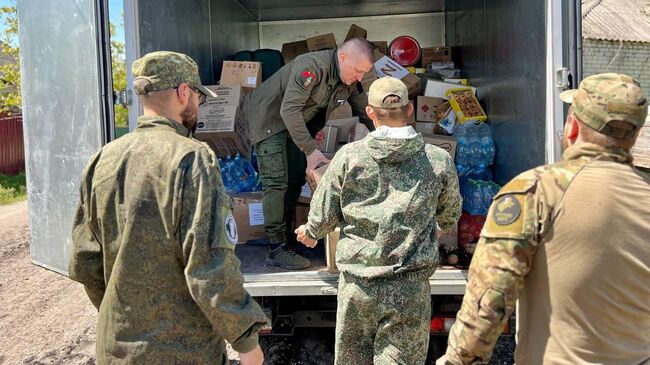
(283, 114)
(153, 237)
(571, 240)
(387, 192)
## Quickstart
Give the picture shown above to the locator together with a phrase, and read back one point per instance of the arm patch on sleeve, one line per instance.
(307, 77)
(507, 217)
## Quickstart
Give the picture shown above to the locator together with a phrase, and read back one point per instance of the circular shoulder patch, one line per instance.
(230, 228)
(506, 210)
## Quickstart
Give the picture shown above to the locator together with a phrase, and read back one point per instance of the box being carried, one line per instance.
(246, 74)
(249, 216)
(314, 177)
(221, 125)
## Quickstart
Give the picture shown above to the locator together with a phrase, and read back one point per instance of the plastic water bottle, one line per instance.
(474, 144)
(462, 148)
(487, 145)
(227, 179)
(246, 174)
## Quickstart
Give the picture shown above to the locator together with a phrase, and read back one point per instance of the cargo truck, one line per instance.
(518, 54)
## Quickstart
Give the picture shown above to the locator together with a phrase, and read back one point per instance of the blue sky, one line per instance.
(114, 13)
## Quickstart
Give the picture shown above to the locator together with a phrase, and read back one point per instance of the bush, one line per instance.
(12, 189)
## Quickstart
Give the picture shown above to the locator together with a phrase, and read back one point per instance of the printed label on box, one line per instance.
(255, 214)
(306, 191)
(252, 80)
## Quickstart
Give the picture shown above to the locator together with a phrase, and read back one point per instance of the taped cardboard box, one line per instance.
(345, 127)
(329, 141)
(435, 54)
(430, 109)
(249, 216)
(447, 143)
(314, 177)
(220, 124)
(331, 241)
(294, 49)
(381, 46)
(425, 127)
(356, 32)
(246, 74)
(301, 214)
(226, 95)
(386, 66)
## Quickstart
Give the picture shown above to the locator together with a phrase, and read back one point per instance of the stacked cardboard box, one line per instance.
(292, 50)
(248, 214)
(220, 123)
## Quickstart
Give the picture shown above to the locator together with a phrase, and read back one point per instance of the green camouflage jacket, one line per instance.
(294, 95)
(387, 195)
(153, 246)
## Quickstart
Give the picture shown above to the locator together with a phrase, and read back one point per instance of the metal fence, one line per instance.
(12, 147)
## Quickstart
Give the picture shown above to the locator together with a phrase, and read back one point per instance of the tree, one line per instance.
(118, 64)
(10, 97)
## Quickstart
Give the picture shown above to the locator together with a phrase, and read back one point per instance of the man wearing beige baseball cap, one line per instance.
(387, 193)
(154, 237)
(570, 241)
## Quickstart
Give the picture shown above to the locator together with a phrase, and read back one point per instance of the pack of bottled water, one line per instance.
(238, 175)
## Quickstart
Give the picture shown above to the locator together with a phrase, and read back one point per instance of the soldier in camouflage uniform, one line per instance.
(284, 113)
(570, 240)
(153, 237)
(387, 192)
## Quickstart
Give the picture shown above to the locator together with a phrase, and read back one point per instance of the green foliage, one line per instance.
(10, 97)
(12, 189)
(118, 64)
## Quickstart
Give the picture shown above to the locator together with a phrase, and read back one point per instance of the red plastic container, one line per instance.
(405, 50)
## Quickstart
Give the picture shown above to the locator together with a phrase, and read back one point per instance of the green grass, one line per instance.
(12, 189)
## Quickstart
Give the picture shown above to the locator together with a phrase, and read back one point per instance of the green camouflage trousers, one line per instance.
(382, 322)
(282, 168)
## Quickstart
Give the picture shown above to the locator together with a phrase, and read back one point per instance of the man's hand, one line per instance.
(304, 238)
(315, 159)
(254, 357)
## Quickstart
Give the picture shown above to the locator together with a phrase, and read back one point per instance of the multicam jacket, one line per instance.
(387, 194)
(570, 241)
(153, 246)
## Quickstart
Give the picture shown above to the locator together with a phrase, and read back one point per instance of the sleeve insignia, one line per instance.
(307, 77)
(506, 210)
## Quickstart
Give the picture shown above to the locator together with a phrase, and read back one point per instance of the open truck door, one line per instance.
(67, 106)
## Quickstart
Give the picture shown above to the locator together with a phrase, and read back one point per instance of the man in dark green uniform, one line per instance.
(154, 235)
(284, 113)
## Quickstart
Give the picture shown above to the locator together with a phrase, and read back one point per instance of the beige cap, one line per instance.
(606, 97)
(387, 86)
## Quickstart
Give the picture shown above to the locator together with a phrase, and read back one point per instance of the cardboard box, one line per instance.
(356, 32)
(368, 79)
(294, 49)
(437, 89)
(302, 213)
(226, 95)
(246, 74)
(249, 216)
(435, 54)
(382, 46)
(385, 66)
(447, 143)
(428, 108)
(360, 132)
(321, 42)
(425, 127)
(342, 112)
(449, 238)
(346, 128)
(330, 140)
(315, 176)
(331, 241)
(305, 194)
(221, 126)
